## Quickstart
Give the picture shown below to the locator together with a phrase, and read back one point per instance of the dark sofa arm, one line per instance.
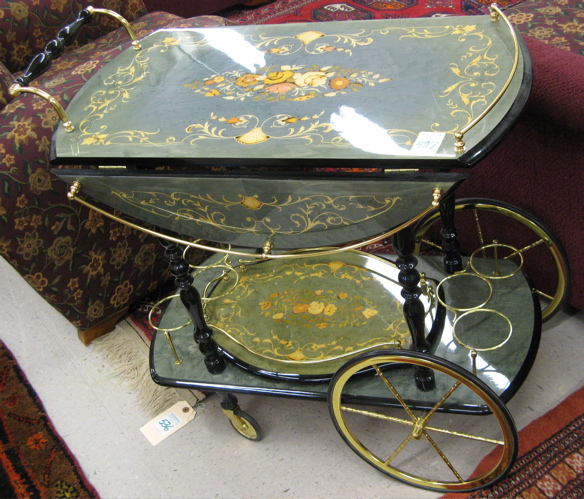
(557, 96)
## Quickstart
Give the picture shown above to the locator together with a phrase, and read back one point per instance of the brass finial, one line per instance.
(74, 190)
(267, 249)
(436, 197)
(459, 145)
(494, 11)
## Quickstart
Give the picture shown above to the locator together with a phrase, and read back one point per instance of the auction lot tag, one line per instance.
(428, 143)
(168, 422)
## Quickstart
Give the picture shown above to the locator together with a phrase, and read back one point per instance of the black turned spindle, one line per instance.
(449, 234)
(53, 49)
(409, 278)
(191, 299)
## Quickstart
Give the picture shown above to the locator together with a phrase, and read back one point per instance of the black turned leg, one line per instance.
(229, 401)
(191, 299)
(450, 246)
(409, 278)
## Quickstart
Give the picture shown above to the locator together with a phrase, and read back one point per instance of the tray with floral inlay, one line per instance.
(305, 317)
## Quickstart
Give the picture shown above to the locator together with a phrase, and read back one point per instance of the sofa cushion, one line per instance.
(558, 86)
(26, 27)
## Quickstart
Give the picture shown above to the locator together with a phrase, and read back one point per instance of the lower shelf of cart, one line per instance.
(502, 369)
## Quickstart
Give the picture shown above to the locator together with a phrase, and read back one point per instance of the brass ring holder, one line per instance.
(476, 311)
(205, 298)
(167, 331)
(496, 245)
(467, 309)
(224, 259)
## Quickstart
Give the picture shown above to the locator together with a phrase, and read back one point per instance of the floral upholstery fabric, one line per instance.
(87, 266)
(26, 26)
(6, 78)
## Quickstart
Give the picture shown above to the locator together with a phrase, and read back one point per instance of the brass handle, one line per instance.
(15, 90)
(53, 49)
(496, 14)
(122, 20)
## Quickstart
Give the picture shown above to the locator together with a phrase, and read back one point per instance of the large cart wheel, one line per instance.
(425, 439)
(479, 222)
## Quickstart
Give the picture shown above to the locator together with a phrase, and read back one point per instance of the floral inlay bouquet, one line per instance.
(286, 82)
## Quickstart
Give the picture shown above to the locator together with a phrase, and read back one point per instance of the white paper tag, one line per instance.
(168, 422)
(428, 143)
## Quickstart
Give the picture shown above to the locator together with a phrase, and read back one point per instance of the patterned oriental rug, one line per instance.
(557, 22)
(300, 11)
(551, 457)
(34, 460)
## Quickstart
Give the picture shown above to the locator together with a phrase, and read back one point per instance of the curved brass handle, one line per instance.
(496, 14)
(437, 193)
(121, 19)
(15, 90)
(54, 49)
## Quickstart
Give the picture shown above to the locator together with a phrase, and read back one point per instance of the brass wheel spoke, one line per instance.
(444, 458)
(376, 415)
(432, 243)
(399, 449)
(465, 435)
(440, 402)
(545, 295)
(479, 230)
(525, 249)
(395, 393)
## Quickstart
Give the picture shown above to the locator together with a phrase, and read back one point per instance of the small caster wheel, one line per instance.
(244, 424)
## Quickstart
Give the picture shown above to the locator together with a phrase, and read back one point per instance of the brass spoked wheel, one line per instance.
(426, 439)
(479, 222)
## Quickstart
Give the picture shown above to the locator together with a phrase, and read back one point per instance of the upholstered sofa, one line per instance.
(87, 267)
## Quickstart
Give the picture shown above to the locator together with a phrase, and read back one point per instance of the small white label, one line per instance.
(428, 143)
(168, 422)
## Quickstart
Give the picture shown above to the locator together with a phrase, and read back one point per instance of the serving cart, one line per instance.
(285, 149)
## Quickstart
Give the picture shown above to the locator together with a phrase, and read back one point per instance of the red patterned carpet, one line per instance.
(34, 460)
(551, 457)
(557, 22)
(298, 11)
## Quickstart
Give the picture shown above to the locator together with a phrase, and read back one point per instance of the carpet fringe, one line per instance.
(127, 356)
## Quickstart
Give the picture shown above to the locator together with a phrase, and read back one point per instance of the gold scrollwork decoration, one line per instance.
(287, 216)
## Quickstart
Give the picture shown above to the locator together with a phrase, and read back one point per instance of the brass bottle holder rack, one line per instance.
(473, 272)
